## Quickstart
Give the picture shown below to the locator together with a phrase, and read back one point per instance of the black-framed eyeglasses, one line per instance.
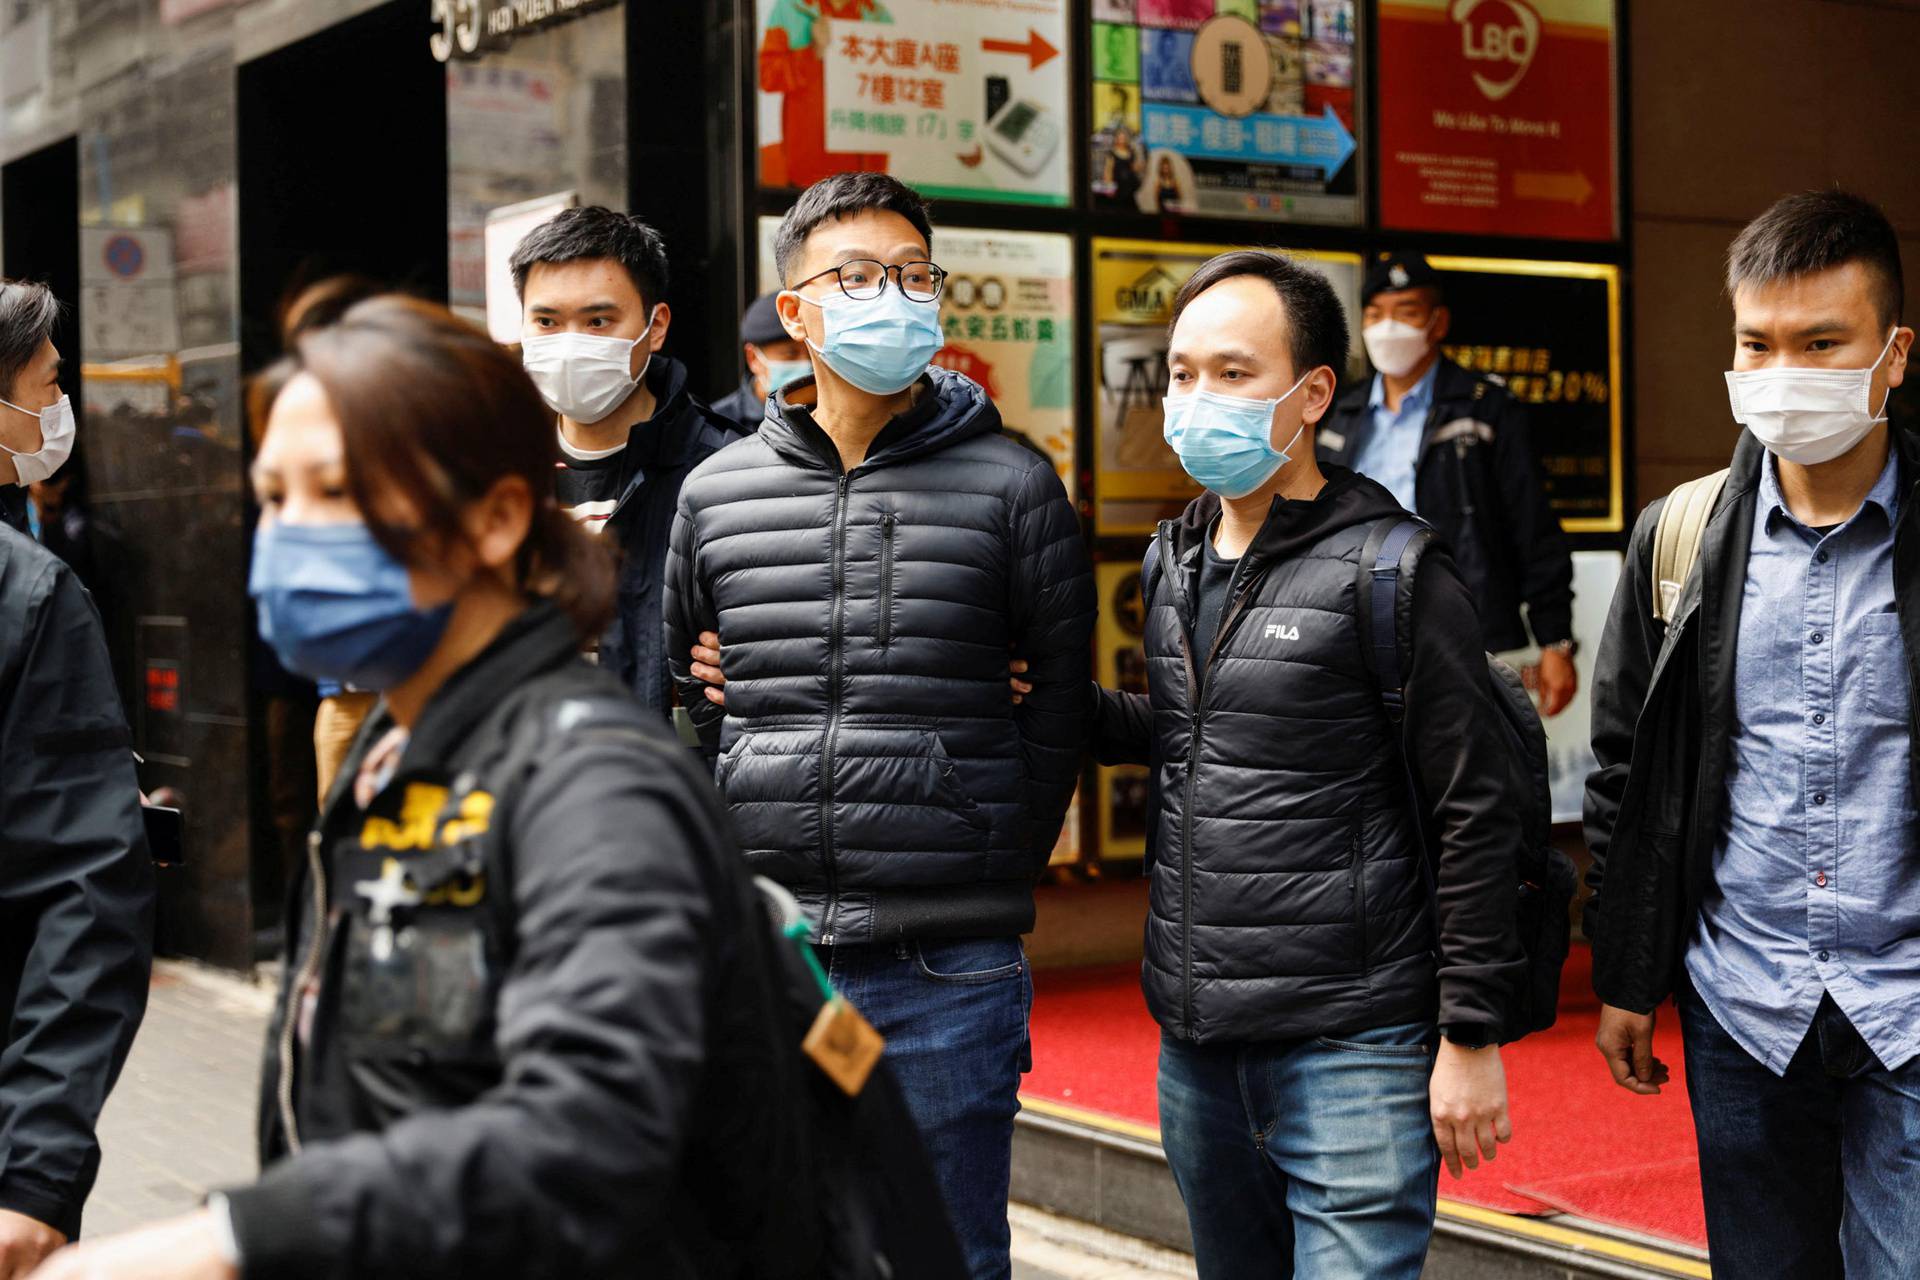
(864, 279)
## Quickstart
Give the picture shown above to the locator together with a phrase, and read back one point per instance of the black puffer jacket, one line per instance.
(565, 1055)
(872, 758)
(1479, 485)
(1288, 896)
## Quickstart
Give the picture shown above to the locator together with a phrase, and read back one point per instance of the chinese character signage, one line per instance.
(1551, 332)
(964, 99)
(1228, 108)
(1137, 478)
(1497, 117)
(1008, 316)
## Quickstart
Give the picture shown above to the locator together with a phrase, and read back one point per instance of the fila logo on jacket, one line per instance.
(1281, 631)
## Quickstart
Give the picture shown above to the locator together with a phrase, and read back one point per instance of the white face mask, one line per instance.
(1394, 346)
(584, 376)
(1807, 416)
(56, 442)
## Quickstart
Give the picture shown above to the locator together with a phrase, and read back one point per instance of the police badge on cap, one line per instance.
(1398, 271)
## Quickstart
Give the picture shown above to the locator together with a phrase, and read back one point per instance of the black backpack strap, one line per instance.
(1379, 600)
(1384, 597)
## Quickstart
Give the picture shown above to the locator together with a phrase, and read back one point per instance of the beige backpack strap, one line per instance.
(1677, 538)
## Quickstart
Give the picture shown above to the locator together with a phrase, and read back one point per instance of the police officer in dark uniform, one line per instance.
(773, 361)
(1454, 448)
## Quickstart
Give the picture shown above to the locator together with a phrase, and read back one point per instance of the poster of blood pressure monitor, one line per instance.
(963, 99)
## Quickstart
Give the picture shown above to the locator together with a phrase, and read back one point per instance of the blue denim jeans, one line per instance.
(1813, 1175)
(1309, 1157)
(954, 1012)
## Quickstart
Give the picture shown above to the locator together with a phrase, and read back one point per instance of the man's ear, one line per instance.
(1898, 357)
(786, 305)
(1442, 324)
(662, 319)
(756, 360)
(1321, 385)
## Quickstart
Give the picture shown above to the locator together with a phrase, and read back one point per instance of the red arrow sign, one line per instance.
(1038, 51)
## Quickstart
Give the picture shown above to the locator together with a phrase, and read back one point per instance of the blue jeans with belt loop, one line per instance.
(1312, 1158)
(954, 1013)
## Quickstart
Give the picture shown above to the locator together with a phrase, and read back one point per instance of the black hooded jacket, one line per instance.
(1288, 895)
(660, 452)
(871, 757)
(1479, 485)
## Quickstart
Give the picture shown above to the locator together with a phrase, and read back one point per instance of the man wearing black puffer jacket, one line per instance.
(867, 559)
(1328, 1001)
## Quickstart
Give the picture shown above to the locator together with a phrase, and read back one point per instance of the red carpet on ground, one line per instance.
(1582, 1145)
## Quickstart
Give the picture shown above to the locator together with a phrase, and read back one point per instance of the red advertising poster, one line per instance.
(1497, 116)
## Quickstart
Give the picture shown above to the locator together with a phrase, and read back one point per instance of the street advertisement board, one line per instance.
(1551, 332)
(1008, 316)
(1137, 479)
(1226, 108)
(1512, 130)
(963, 99)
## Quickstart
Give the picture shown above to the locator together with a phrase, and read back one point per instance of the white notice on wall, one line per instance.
(507, 226)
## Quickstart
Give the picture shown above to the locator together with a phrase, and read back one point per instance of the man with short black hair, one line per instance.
(867, 559)
(1328, 1013)
(76, 880)
(1752, 820)
(593, 296)
(1454, 448)
(774, 361)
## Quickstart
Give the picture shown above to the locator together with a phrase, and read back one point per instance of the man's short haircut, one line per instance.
(843, 196)
(1818, 231)
(28, 314)
(1314, 313)
(595, 232)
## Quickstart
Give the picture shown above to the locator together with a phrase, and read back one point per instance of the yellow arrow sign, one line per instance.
(1570, 188)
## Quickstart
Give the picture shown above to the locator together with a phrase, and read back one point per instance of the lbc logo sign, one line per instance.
(1498, 38)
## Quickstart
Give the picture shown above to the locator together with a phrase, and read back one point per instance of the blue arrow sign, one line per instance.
(1319, 142)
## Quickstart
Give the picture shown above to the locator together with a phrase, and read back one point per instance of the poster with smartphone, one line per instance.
(963, 99)
(1007, 313)
(1137, 480)
(1227, 108)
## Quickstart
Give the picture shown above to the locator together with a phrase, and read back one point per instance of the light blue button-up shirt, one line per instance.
(1816, 879)
(1391, 454)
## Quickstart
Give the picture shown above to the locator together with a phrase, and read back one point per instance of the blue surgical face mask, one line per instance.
(1226, 442)
(782, 374)
(335, 605)
(880, 345)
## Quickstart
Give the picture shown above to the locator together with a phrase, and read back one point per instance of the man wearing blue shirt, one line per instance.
(1453, 447)
(1756, 849)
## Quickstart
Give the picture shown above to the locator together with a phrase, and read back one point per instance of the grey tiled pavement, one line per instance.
(181, 1120)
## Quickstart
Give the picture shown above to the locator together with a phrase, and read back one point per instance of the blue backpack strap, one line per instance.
(1380, 565)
